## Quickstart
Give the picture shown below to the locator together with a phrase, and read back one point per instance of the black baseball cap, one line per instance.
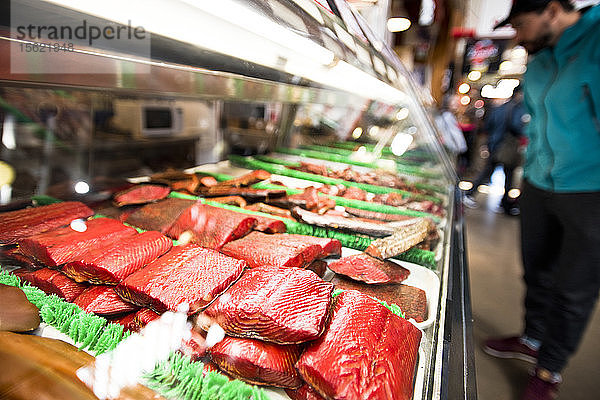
(522, 6)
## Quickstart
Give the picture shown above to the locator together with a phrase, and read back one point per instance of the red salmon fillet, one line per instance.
(103, 300)
(367, 352)
(304, 392)
(17, 225)
(158, 216)
(258, 362)
(113, 263)
(54, 282)
(329, 247)
(141, 194)
(269, 225)
(143, 318)
(65, 244)
(12, 256)
(126, 320)
(186, 274)
(276, 250)
(411, 300)
(212, 227)
(362, 267)
(281, 305)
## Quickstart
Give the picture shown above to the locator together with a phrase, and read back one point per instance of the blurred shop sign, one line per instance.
(483, 55)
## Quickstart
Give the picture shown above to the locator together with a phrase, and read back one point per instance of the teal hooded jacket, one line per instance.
(562, 94)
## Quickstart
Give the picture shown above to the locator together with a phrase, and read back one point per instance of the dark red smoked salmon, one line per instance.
(62, 245)
(113, 263)
(366, 352)
(186, 274)
(362, 267)
(211, 227)
(54, 282)
(258, 362)
(304, 392)
(103, 300)
(281, 305)
(17, 225)
(159, 216)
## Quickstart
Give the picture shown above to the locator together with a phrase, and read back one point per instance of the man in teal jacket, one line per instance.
(560, 204)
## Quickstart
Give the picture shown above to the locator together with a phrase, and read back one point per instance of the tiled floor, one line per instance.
(497, 292)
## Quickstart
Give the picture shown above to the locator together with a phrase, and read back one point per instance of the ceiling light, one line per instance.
(398, 24)
(474, 75)
(465, 100)
(464, 88)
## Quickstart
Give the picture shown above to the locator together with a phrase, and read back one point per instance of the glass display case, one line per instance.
(300, 89)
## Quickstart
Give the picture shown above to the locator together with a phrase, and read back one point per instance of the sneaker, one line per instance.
(541, 386)
(512, 347)
(469, 202)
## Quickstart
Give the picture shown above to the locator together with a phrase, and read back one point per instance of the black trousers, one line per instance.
(560, 238)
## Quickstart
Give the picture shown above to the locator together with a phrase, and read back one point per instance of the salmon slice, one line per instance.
(63, 245)
(158, 216)
(411, 300)
(104, 301)
(367, 352)
(362, 267)
(269, 225)
(304, 392)
(126, 320)
(54, 282)
(17, 225)
(276, 250)
(258, 362)
(186, 274)
(329, 247)
(211, 227)
(143, 318)
(141, 194)
(113, 263)
(276, 304)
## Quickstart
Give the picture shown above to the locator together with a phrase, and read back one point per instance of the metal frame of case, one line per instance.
(181, 69)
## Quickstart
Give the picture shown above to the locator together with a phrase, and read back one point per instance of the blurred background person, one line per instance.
(504, 125)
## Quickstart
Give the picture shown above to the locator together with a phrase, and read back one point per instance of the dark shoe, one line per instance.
(512, 347)
(541, 386)
(514, 211)
(469, 201)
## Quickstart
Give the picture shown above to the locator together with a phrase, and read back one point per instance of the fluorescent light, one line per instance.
(398, 24)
